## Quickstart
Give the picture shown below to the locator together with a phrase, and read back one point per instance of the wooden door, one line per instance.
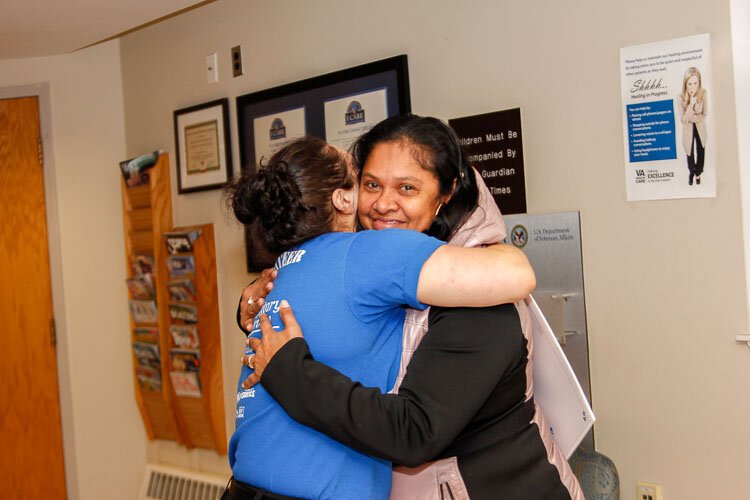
(31, 454)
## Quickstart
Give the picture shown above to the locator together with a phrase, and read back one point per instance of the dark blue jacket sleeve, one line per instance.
(456, 367)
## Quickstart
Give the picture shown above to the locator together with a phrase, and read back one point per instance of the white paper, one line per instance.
(657, 142)
(349, 117)
(273, 132)
(556, 388)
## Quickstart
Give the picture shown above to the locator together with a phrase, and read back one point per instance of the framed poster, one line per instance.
(494, 145)
(667, 119)
(337, 107)
(204, 159)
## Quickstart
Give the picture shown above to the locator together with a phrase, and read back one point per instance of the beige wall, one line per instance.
(664, 279)
(103, 436)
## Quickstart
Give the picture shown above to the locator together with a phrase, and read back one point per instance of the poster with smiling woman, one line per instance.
(669, 150)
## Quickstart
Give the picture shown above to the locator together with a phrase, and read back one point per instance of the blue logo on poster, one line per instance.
(651, 131)
(354, 113)
(519, 236)
(278, 130)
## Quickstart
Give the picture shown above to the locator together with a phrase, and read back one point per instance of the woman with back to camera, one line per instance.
(290, 209)
(692, 104)
(466, 400)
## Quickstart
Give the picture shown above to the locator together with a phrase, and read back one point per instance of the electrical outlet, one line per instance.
(212, 71)
(237, 61)
(649, 491)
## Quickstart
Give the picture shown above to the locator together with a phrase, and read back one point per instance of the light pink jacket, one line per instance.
(690, 114)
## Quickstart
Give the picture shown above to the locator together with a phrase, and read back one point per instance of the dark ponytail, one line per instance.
(288, 201)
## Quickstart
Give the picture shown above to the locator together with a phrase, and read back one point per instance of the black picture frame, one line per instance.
(313, 95)
(391, 74)
(203, 128)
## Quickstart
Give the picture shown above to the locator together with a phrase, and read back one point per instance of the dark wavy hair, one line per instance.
(288, 201)
(435, 146)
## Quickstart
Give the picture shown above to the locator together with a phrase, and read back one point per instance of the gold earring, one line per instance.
(438, 209)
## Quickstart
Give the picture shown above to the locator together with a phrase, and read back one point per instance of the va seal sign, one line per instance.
(519, 236)
(278, 130)
(354, 113)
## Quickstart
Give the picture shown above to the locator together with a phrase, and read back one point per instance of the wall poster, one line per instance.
(495, 148)
(337, 107)
(204, 159)
(667, 122)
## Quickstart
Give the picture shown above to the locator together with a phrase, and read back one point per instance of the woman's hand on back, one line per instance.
(270, 344)
(254, 295)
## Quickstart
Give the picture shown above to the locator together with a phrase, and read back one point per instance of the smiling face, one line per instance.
(692, 85)
(396, 191)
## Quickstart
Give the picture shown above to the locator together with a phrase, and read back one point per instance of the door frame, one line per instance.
(42, 92)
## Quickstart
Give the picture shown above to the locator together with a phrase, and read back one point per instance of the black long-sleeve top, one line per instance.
(464, 395)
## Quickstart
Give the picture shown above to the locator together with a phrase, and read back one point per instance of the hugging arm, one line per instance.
(451, 276)
(457, 276)
(253, 297)
(455, 368)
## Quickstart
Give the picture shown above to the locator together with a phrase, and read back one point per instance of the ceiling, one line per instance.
(32, 28)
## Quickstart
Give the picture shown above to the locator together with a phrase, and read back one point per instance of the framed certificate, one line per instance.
(204, 159)
(337, 107)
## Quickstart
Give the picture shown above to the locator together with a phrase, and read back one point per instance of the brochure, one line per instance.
(146, 334)
(143, 311)
(146, 354)
(149, 378)
(135, 170)
(141, 287)
(142, 264)
(181, 291)
(180, 242)
(185, 336)
(186, 384)
(185, 360)
(180, 265)
(183, 312)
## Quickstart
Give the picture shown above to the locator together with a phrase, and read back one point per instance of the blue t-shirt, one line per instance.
(347, 291)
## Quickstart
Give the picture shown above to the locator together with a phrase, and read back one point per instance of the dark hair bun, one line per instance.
(271, 200)
(288, 201)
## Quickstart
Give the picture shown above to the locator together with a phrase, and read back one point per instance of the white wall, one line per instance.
(102, 432)
(664, 280)
(740, 48)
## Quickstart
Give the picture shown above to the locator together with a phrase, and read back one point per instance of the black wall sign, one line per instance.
(494, 145)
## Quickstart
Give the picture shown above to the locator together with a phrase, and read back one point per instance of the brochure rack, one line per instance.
(166, 283)
(147, 212)
(194, 353)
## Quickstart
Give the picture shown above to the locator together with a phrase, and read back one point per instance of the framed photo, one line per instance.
(337, 107)
(204, 153)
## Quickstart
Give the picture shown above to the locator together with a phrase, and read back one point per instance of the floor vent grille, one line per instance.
(171, 483)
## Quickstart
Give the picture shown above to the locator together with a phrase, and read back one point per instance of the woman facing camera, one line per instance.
(692, 104)
(464, 418)
(351, 289)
